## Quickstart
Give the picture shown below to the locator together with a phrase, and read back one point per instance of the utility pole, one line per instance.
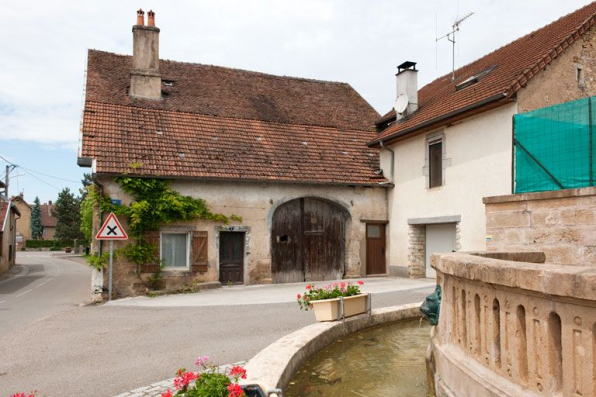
(6, 181)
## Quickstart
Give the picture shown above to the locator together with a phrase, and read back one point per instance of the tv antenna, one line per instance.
(451, 37)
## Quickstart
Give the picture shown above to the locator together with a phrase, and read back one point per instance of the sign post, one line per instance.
(111, 230)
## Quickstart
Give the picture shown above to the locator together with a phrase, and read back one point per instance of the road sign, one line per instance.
(111, 230)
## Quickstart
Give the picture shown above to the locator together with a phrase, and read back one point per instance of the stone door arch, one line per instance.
(308, 241)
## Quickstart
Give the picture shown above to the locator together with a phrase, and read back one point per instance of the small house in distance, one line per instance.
(286, 154)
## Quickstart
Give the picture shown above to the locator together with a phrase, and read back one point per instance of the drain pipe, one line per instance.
(96, 181)
(392, 159)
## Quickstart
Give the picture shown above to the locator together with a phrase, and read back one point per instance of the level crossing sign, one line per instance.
(111, 230)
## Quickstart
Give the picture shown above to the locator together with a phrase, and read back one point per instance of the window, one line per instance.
(174, 250)
(435, 164)
(373, 231)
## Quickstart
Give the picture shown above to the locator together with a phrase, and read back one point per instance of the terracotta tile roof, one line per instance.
(516, 63)
(4, 206)
(220, 123)
(154, 142)
(233, 93)
(3, 212)
(47, 219)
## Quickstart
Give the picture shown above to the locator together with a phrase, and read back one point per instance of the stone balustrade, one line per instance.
(511, 325)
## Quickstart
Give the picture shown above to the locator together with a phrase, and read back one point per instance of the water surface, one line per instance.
(384, 361)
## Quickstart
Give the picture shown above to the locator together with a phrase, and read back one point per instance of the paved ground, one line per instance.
(110, 349)
(41, 285)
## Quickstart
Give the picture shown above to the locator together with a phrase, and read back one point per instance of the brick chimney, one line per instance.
(145, 78)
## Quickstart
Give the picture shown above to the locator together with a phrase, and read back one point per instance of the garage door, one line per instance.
(440, 238)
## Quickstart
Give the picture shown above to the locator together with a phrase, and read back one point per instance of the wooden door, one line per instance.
(231, 258)
(323, 240)
(307, 240)
(375, 249)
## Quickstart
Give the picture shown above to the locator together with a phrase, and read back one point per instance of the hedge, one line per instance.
(47, 244)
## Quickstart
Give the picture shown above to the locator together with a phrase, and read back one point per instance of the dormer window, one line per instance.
(474, 79)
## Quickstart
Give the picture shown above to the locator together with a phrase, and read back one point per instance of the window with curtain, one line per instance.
(174, 249)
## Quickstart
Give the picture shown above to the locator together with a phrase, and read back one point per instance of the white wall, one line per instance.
(477, 163)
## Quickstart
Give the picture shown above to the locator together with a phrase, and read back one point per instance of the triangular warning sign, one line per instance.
(111, 230)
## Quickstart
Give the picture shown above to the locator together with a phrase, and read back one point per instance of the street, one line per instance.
(44, 285)
(58, 348)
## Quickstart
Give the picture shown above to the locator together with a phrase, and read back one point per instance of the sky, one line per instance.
(44, 45)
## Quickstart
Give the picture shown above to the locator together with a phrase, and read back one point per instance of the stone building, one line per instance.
(286, 154)
(449, 144)
(48, 220)
(24, 223)
(9, 214)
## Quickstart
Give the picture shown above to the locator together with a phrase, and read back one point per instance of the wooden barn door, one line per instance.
(231, 258)
(307, 238)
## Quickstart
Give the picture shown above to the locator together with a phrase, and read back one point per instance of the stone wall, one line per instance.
(560, 223)
(416, 251)
(255, 203)
(510, 328)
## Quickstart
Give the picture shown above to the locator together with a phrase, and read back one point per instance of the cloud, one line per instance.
(45, 45)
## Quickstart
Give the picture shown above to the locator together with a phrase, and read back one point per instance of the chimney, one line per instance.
(406, 102)
(145, 78)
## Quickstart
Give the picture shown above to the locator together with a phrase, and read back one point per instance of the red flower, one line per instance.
(235, 390)
(360, 282)
(167, 393)
(183, 380)
(238, 371)
(309, 287)
(299, 296)
(342, 285)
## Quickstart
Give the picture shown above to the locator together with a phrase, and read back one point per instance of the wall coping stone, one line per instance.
(552, 194)
(274, 366)
(571, 281)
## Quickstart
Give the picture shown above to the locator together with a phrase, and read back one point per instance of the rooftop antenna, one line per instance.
(451, 37)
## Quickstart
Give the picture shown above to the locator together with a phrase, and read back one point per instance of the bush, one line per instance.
(40, 243)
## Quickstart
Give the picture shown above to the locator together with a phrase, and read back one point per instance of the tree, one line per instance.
(86, 182)
(36, 228)
(68, 216)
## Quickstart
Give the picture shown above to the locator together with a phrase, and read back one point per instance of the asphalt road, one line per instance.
(44, 286)
(107, 350)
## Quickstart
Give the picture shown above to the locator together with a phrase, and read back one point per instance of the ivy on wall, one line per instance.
(154, 204)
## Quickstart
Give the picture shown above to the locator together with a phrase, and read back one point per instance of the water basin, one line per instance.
(384, 361)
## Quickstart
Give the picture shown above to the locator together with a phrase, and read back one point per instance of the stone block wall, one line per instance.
(513, 328)
(416, 251)
(561, 223)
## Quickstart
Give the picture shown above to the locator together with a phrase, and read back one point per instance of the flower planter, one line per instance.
(330, 309)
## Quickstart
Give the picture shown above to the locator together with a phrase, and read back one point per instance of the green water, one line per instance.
(384, 361)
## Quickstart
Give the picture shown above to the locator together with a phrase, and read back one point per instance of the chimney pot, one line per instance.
(140, 17)
(150, 18)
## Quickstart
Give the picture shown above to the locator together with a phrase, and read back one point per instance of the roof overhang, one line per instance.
(382, 183)
(437, 122)
(86, 162)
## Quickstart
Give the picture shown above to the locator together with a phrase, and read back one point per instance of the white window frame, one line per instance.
(188, 253)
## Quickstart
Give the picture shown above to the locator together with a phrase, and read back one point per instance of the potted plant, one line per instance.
(209, 381)
(334, 301)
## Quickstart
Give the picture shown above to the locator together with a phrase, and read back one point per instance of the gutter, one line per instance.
(98, 183)
(444, 117)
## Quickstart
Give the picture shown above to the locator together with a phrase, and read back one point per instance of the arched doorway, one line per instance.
(308, 241)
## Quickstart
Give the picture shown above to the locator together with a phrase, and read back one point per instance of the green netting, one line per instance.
(552, 147)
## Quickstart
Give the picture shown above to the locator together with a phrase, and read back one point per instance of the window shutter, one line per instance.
(153, 238)
(199, 251)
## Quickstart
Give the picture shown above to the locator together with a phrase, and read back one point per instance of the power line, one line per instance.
(41, 180)
(49, 176)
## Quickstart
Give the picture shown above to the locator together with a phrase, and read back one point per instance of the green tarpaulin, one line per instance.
(552, 147)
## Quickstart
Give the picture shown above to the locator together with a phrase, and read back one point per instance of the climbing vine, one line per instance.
(154, 204)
